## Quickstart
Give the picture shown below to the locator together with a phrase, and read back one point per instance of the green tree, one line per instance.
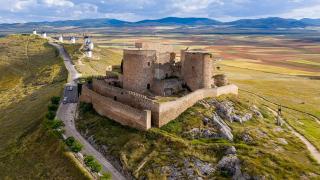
(50, 115)
(55, 100)
(53, 107)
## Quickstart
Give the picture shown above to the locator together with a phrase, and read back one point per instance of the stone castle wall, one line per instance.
(117, 111)
(129, 104)
(171, 110)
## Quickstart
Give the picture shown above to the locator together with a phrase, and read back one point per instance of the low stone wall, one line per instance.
(168, 111)
(124, 114)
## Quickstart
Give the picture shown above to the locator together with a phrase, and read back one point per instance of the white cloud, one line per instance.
(63, 3)
(299, 13)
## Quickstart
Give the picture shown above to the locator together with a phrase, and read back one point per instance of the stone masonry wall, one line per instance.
(170, 110)
(124, 114)
(161, 113)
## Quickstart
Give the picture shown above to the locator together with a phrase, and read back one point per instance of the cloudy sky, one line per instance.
(133, 10)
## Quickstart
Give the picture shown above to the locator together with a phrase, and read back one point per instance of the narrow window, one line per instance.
(115, 98)
(149, 63)
(148, 86)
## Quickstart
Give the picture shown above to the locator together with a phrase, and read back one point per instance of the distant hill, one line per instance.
(179, 21)
(315, 22)
(263, 23)
(272, 22)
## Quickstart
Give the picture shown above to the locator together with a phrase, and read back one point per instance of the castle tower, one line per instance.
(138, 69)
(197, 67)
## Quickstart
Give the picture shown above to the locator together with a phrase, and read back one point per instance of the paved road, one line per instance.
(66, 112)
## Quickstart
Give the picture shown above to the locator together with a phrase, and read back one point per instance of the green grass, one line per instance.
(31, 73)
(167, 145)
(102, 58)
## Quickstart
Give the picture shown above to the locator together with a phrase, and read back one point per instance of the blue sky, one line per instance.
(133, 10)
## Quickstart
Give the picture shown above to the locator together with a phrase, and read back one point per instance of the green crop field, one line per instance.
(30, 74)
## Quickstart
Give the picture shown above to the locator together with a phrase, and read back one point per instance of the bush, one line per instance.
(54, 124)
(53, 107)
(92, 163)
(85, 107)
(69, 141)
(73, 144)
(106, 176)
(50, 115)
(55, 100)
(76, 147)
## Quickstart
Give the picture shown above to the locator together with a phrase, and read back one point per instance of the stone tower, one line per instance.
(197, 67)
(138, 69)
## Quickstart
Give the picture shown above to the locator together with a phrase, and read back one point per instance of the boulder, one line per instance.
(223, 128)
(256, 111)
(247, 138)
(231, 150)
(230, 164)
(246, 117)
(225, 109)
(204, 168)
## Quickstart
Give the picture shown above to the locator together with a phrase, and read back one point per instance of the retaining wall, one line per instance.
(117, 111)
(171, 110)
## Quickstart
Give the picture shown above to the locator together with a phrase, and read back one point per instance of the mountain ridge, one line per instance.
(264, 23)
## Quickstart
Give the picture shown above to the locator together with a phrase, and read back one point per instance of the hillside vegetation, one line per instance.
(264, 149)
(31, 72)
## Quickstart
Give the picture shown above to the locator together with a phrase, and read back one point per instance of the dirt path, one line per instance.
(313, 150)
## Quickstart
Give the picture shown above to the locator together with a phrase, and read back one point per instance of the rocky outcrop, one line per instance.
(224, 129)
(230, 165)
(226, 110)
(197, 133)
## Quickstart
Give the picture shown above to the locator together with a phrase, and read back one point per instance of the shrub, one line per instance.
(92, 163)
(106, 176)
(86, 107)
(53, 107)
(76, 147)
(50, 115)
(73, 144)
(55, 100)
(69, 141)
(54, 124)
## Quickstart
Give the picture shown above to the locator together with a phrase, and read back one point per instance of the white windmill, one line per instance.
(88, 46)
(73, 40)
(61, 38)
(44, 35)
(34, 32)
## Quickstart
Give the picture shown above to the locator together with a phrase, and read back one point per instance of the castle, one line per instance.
(152, 87)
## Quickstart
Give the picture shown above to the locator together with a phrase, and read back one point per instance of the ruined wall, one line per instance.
(170, 110)
(124, 114)
(138, 69)
(197, 69)
(130, 98)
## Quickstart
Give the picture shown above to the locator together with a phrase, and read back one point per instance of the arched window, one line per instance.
(148, 86)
